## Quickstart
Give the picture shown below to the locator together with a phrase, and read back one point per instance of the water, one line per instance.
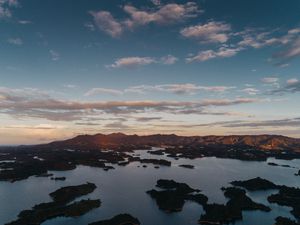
(123, 190)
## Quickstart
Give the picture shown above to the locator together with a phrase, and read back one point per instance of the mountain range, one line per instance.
(119, 140)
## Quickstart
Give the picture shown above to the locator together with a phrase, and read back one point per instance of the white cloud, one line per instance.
(24, 22)
(212, 32)
(292, 81)
(270, 80)
(256, 38)
(162, 14)
(136, 61)
(96, 91)
(15, 41)
(223, 52)
(177, 88)
(156, 2)
(32, 103)
(170, 88)
(5, 7)
(132, 62)
(71, 86)
(90, 26)
(107, 23)
(292, 86)
(250, 91)
(169, 13)
(54, 55)
(169, 60)
(291, 52)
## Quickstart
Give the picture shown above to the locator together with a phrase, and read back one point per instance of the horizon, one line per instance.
(143, 135)
(192, 68)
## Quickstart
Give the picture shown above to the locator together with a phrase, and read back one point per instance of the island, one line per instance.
(174, 195)
(232, 210)
(58, 178)
(285, 221)
(287, 196)
(121, 219)
(187, 166)
(59, 206)
(255, 184)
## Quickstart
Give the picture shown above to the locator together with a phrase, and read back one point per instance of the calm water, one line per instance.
(123, 190)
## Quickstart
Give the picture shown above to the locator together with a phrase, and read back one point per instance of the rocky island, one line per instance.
(59, 206)
(287, 196)
(232, 210)
(174, 195)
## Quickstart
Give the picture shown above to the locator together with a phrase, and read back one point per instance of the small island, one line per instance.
(187, 166)
(58, 178)
(285, 221)
(122, 219)
(255, 184)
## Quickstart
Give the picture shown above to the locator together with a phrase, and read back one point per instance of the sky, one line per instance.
(206, 67)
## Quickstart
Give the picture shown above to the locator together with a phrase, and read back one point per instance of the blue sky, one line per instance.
(186, 67)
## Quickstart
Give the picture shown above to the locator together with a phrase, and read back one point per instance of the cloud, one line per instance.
(96, 91)
(55, 56)
(212, 32)
(169, 60)
(136, 61)
(15, 41)
(24, 22)
(117, 125)
(36, 127)
(132, 62)
(90, 26)
(292, 86)
(256, 38)
(167, 14)
(222, 52)
(107, 23)
(147, 119)
(32, 103)
(292, 51)
(156, 2)
(162, 15)
(220, 33)
(5, 8)
(293, 122)
(270, 80)
(87, 124)
(71, 86)
(250, 91)
(292, 81)
(177, 88)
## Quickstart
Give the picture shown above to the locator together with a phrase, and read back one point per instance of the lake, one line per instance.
(123, 190)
